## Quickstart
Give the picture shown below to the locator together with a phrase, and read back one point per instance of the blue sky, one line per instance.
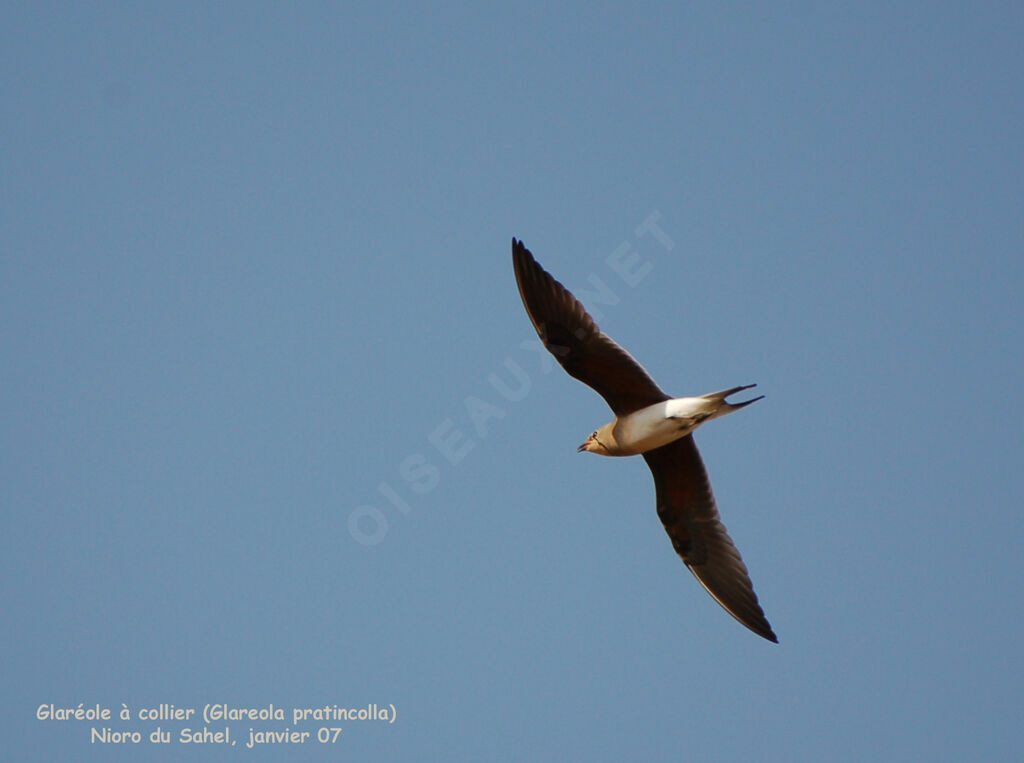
(272, 436)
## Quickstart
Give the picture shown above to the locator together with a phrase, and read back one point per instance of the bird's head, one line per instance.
(593, 445)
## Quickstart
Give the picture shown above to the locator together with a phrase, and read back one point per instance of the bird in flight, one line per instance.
(650, 423)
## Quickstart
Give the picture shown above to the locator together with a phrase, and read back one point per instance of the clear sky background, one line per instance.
(255, 267)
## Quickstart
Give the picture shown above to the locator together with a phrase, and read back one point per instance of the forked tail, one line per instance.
(726, 407)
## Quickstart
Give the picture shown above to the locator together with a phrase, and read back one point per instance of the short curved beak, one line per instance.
(581, 448)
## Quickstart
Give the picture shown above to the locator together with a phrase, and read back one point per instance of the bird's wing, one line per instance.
(571, 335)
(686, 507)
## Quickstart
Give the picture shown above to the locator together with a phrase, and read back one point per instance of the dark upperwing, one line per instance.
(571, 335)
(686, 507)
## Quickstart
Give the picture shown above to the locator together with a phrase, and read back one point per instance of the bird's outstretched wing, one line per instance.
(571, 335)
(686, 507)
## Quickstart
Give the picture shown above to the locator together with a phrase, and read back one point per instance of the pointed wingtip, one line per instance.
(519, 250)
(759, 626)
(747, 613)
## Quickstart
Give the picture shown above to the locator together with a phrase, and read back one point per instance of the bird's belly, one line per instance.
(650, 428)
